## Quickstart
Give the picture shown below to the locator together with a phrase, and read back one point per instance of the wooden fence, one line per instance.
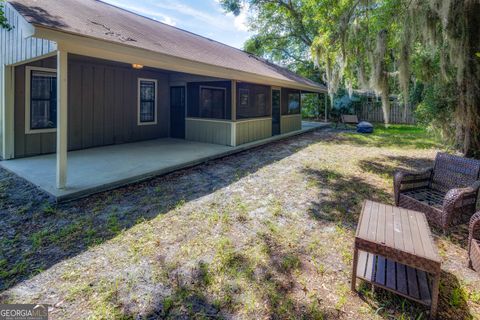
(372, 112)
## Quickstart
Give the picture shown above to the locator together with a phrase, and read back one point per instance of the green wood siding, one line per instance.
(290, 123)
(252, 130)
(210, 131)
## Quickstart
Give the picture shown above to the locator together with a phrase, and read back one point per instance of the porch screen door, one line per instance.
(177, 112)
(276, 112)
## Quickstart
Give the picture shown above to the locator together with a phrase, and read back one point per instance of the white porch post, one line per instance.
(8, 89)
(62, 117)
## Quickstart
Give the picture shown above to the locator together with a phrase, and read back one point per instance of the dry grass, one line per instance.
(263, 234)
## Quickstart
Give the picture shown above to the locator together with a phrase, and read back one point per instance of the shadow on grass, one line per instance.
(387, 165)
(36, 234)
(452, 299)
(272, 283)
(344, 196)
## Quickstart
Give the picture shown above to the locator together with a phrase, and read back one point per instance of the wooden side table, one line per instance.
(394, 250)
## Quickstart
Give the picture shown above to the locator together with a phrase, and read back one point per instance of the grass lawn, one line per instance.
(264, 234)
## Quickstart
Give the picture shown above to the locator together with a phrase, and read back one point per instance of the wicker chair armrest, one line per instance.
(455, 197)
(473, 229)
(460, 197)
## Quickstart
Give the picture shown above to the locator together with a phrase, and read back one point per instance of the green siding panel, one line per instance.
(209, 131)
(253, 130)
(290, 123)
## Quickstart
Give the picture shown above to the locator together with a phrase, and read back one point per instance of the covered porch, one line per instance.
(103, 168)
(83, 110)
(98, 141)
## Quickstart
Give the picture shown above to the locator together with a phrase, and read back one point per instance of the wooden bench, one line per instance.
(394, 250)
(349, 119)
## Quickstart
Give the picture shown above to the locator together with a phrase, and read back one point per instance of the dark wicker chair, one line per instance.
(447, 193)
(474, 242)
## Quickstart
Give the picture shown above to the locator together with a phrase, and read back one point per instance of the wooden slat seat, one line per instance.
(348, 119)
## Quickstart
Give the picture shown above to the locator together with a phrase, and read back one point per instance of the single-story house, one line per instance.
(79, 74)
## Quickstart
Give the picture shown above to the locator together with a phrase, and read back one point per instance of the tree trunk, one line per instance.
(470, 88)
(385, 107)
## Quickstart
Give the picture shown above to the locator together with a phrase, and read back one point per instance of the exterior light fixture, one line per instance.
(137, 66)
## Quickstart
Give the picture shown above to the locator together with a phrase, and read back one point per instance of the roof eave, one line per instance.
(111, 50)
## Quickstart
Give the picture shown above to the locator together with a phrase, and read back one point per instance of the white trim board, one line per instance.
(208, 120)
(253, 119)
(291, 115)
(7, 120)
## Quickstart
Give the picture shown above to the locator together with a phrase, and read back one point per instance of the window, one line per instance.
(253, 101)
(212, 102)
(244, 97)
(41, 100)
(261, 103)
(147, 101)
(293, 103)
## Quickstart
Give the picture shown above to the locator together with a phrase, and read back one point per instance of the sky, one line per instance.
(203, 17)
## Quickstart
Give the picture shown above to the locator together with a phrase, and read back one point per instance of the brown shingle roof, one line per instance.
(99, 20)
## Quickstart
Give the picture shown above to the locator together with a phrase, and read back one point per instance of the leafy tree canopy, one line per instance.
(386, 46)
(3, 20)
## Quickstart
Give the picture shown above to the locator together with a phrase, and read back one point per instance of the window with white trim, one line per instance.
(147, 101)
(41, 100)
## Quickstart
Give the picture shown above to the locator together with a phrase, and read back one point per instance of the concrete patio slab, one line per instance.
(99, 169)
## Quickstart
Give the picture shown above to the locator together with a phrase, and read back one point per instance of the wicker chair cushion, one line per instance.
(426, 196)
(452, 172)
